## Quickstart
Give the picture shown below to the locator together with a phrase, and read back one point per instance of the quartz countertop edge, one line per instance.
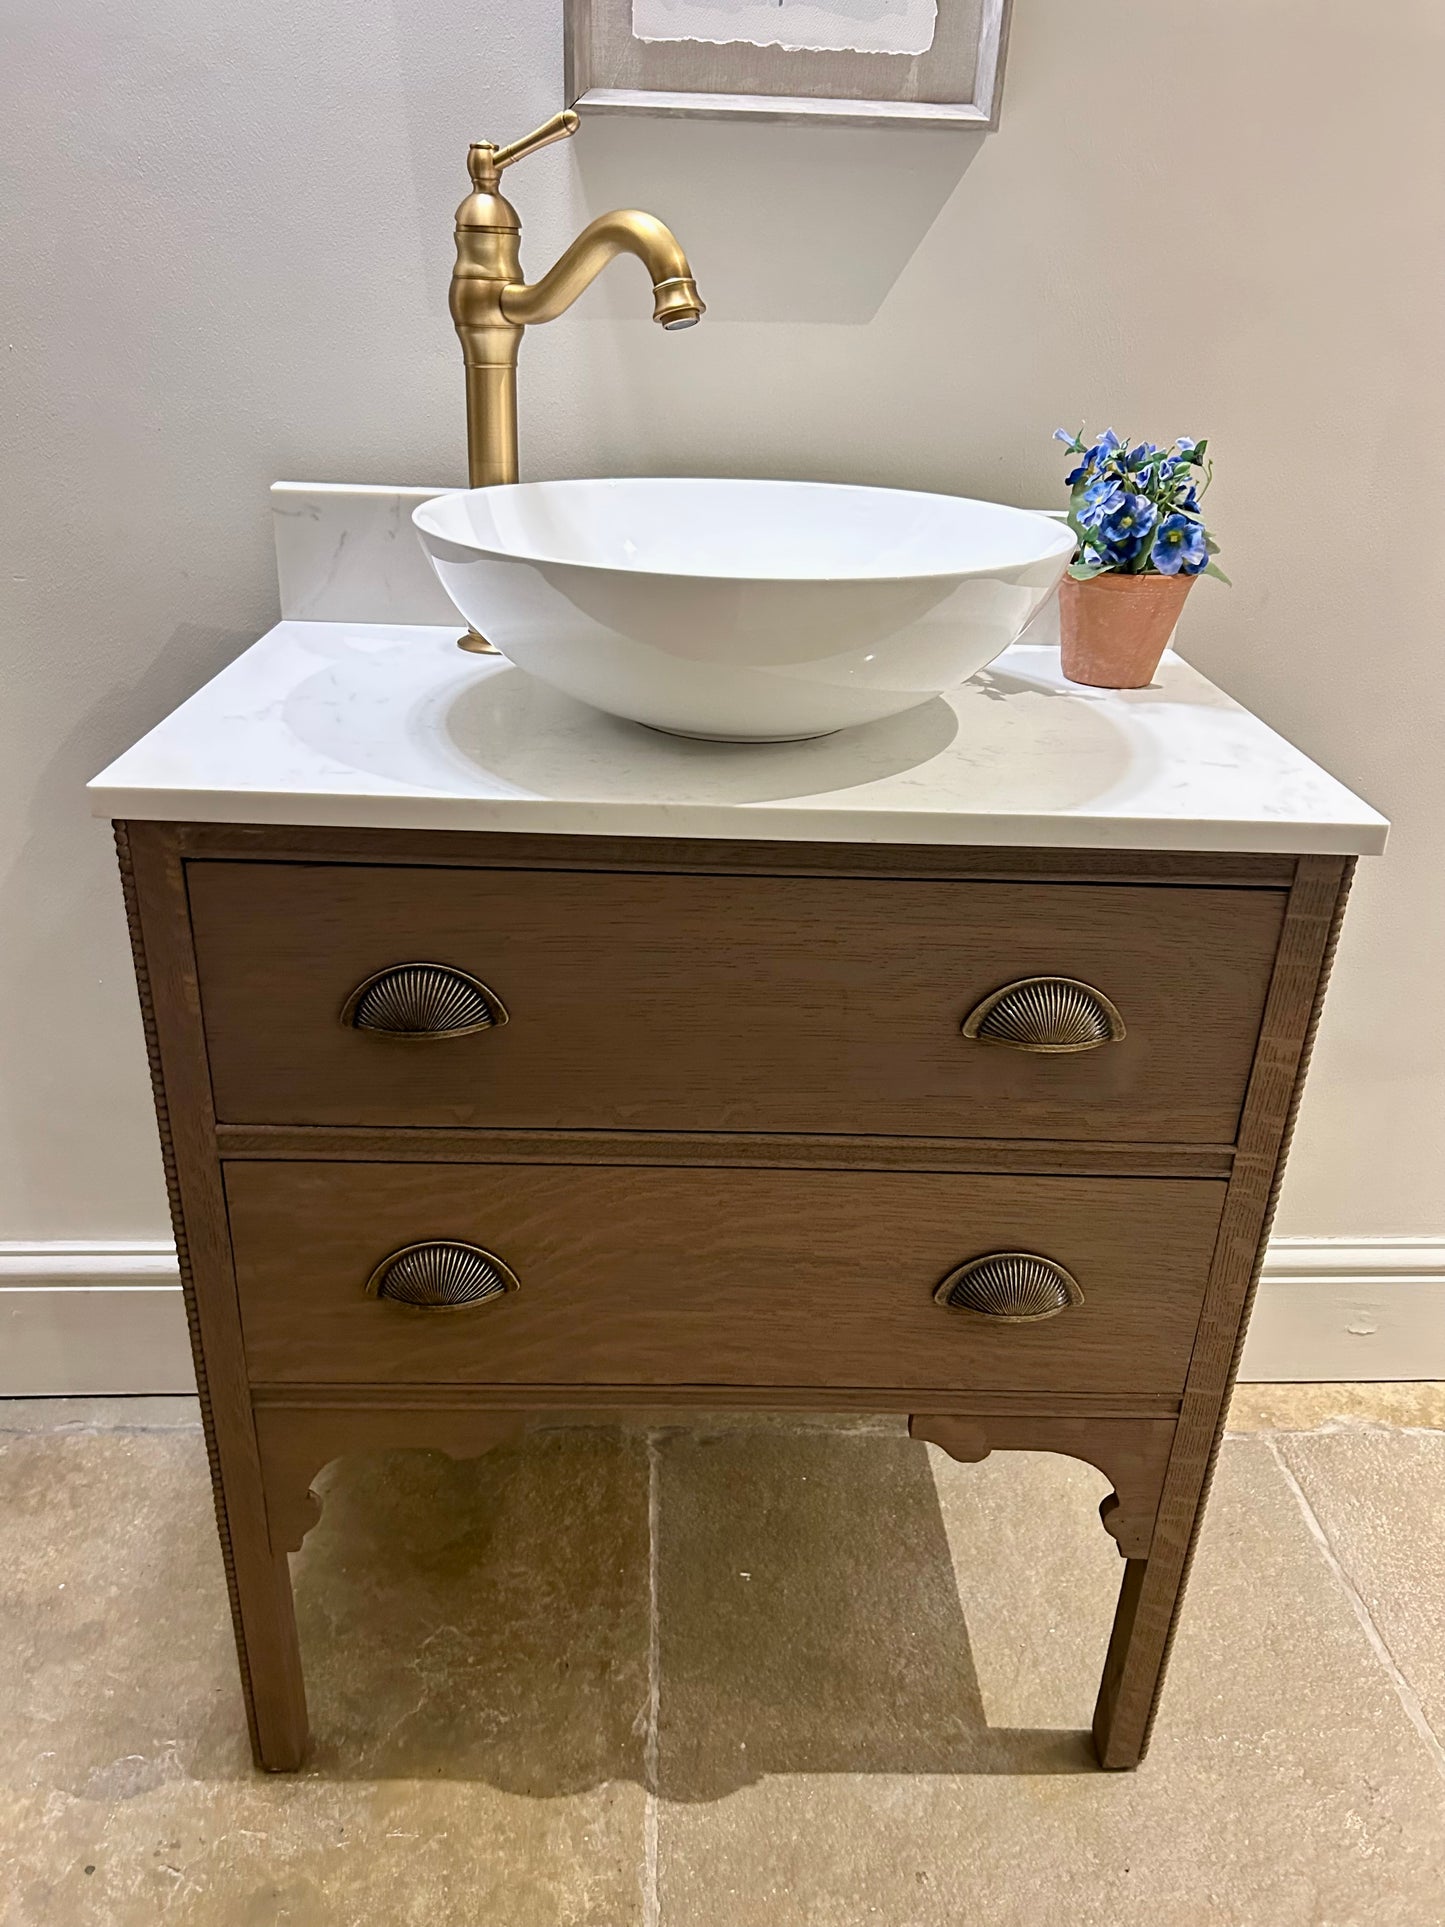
(391, 726)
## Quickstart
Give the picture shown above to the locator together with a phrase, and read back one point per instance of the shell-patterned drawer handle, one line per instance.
(423, 1000)
(1050, 1015)
(1018, 1287)
(441, 1275)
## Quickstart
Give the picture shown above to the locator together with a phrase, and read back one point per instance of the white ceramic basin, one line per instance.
(748, 611)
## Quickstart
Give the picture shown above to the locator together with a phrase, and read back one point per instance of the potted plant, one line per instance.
(1141, 542)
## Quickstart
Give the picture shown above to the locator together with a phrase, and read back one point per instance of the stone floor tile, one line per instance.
(1379, 1498)
(809, 1616)
(500, 1605)
(1305, 1408)
(476, 1644)
(842, 1741)
(875, 1666)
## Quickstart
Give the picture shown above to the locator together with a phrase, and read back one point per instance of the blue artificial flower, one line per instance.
(1179, 545)
(1100, 499)
(1072, 443)
(1136, 508)
(1128, 528)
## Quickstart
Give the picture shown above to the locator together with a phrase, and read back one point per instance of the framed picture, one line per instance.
(881, 63)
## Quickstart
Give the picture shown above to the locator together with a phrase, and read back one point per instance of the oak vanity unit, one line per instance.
(512, 1059)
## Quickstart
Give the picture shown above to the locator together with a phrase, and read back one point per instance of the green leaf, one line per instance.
(1086, 571)
(1081, 534)
(1218, 574)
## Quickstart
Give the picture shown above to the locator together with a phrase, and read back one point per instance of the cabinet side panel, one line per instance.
(153, 881)
(1144, 1630)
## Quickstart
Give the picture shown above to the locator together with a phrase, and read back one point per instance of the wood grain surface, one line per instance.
(778, 1149)
(732, 856)
(1153, 1588)
(738, 1146)
(643, 1402)
(656, 1276)
(257, 1578)
(728, 1004)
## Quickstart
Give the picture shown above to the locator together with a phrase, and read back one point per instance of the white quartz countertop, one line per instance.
(391, 725)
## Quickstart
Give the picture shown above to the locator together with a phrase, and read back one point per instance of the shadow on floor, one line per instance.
(493, 1619)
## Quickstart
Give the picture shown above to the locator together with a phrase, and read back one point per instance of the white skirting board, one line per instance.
(90, 1318)
(82, 1317)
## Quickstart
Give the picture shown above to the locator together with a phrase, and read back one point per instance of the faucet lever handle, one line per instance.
(558, 128)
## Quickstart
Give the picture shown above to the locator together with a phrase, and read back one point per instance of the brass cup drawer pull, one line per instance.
(1053, 1016)
(441, 1275)
(423, 1000)
(1016, 1287)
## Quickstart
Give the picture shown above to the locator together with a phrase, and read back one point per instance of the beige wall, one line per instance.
(226, 255)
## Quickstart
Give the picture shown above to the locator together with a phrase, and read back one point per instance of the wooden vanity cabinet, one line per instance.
(460, 1129)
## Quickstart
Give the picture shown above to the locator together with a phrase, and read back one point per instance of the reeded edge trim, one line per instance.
(976, 1016)
(1066, 1279)
(494, 1004)
(510, 1281)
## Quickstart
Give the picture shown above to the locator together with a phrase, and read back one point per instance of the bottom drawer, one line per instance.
(658, 1276)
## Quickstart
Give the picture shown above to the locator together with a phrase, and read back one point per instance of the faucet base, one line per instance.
(478, 644)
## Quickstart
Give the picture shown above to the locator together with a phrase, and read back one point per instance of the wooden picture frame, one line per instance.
(954, 82)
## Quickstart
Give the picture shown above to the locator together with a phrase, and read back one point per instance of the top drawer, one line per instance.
(727, 1003)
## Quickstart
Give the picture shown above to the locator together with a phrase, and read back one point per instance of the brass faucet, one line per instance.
(491, 304)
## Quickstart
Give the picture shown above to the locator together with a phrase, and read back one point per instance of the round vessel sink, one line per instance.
(740, 610)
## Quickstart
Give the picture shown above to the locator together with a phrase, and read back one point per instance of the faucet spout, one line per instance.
(675, 299)
(492, 305)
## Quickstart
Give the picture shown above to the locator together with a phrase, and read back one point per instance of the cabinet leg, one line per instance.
(264, 1616)
(1135, 1455)
(1134, 1666)
(271, 1661)
(263, 1612)
(257, 1576)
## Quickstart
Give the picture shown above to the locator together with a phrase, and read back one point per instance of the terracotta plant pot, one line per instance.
(1113, 629)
